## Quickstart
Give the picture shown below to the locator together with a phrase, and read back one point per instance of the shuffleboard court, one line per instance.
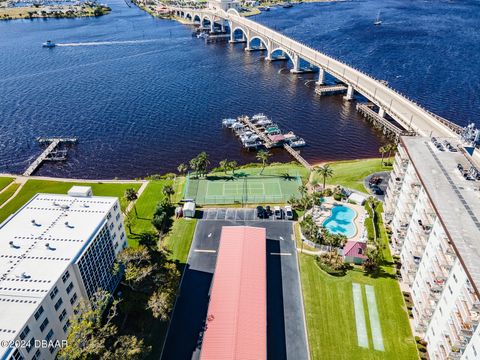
(374, 319)
(361, 324)
(242, 189)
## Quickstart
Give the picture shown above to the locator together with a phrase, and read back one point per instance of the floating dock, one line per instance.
(50, 153)
(331, 89)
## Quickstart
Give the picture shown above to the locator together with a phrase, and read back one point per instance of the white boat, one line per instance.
(49, 44)
(296, 142)
(377, 20)
(228, 122)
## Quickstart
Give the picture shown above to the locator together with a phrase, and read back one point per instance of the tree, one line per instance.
(373, 260)
(130, 221)
(391, 148)
(200, 163)
(131, 196)
(161, 304)
(325, 171)
(148, 239)
(332, 260)
(302, 189)
(383, 150)
(88, 334)
(168, 192)
(224, 165)
(158, 222)
(263, 157)
(127, 347)
(139, 266)
(310, 229)
(232, 165)
(182, 168)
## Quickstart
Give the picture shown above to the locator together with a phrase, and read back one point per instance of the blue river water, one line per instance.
(142, 95)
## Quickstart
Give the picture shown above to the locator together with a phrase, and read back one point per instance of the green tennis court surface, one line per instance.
(245, 189)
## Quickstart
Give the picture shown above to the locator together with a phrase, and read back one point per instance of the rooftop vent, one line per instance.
(12, 245)
(25, 276)
(47, 245)
(34, 223)
(68, 225)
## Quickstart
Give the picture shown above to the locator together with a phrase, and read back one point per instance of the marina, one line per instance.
(259, 131)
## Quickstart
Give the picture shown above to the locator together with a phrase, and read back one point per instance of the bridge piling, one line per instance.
(350, 92)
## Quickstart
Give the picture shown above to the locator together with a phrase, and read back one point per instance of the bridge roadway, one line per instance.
(410, 115)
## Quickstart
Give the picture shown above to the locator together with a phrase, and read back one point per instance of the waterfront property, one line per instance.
(56, 250)
(433, 209)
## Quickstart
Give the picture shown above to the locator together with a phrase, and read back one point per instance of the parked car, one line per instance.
(278, 212)
(261, 212)
(268, 210)
(288, 212)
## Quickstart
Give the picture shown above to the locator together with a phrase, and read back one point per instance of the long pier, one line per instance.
(328, 89)
(45, 155)
(381, 123)
(297, 156)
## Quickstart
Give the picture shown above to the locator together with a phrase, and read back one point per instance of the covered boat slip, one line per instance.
(236, 326)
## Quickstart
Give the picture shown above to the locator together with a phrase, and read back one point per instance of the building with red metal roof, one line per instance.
(236, 324)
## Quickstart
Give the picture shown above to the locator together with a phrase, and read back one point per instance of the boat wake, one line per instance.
(102, 43)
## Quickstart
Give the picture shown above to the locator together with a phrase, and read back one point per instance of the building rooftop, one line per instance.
(236, 326)
(36, 246)
(355, 249)
(456, 200)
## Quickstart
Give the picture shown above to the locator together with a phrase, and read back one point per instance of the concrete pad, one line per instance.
(374, 319)
(362, 336)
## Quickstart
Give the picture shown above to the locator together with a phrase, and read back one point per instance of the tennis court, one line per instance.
(244, 190)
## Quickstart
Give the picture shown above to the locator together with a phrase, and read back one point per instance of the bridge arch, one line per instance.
(204, 20)
(294, 59)
(237, 30)
(233, 12)
(196, 19)
(262, 41)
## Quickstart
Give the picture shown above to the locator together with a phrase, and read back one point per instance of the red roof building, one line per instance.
(354, 251)
(236, 326)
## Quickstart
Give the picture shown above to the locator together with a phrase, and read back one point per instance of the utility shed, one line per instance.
(189, 209)
(236, 326)
(80, 191)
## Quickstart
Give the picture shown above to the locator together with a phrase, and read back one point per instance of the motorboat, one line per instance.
(377, 21)
(229, 122)
(296, 142)
(49, 44)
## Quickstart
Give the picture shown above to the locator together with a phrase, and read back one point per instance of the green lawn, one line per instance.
(4, 181)
(351, 173)
(8, 192)
(331, 319)
(180, 238)
(33, 187)
(145, 205)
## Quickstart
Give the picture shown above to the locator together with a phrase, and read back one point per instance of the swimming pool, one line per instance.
(341, 221)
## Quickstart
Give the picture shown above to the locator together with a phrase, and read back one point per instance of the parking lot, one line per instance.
(234, 214)
(286, 337)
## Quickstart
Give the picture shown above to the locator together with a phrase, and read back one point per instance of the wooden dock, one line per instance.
(48, 152)
(387, 127)
(268, 143)
(329, 89)
(298, 157)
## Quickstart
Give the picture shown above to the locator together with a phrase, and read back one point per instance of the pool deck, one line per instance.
(361, 214)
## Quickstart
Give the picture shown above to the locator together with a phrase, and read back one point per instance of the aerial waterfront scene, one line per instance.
(239, 179)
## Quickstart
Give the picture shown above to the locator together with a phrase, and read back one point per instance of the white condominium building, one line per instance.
(433, 208)
(54, 251)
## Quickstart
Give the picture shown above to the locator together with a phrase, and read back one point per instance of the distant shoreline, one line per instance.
(52, 12)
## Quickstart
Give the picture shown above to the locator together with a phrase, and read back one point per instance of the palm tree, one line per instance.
(168, 192)
(131, 196)
(263, 157)
(382, 150)
(232, 165)
(224, 165)
(182, 168)
(202, 163)
(302, 189)
(391, 148)
(326, 172)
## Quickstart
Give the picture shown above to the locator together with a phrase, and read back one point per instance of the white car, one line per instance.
(288, 212)
(277, 211)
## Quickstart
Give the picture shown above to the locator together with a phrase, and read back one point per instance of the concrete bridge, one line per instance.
(407, 113)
